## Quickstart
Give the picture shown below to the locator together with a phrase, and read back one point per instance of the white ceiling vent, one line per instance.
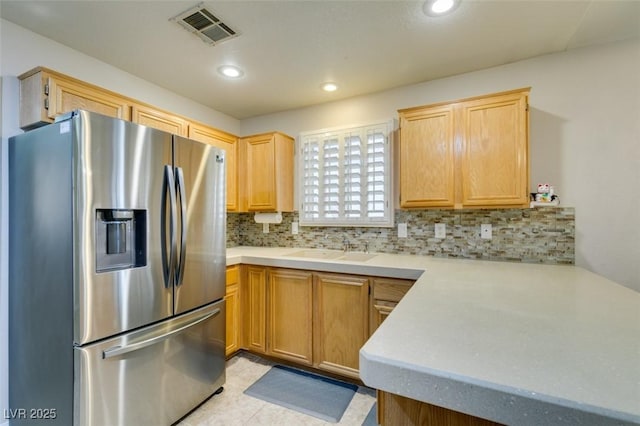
(205, 25)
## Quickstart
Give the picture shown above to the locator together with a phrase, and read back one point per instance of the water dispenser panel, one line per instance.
(116, 238)
(120, 239)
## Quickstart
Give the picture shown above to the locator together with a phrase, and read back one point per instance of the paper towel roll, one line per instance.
(268, 217)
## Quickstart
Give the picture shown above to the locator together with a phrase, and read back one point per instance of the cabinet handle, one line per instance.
(46, 103)
(46, 89)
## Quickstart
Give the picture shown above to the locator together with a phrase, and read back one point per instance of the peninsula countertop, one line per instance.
(511, 342)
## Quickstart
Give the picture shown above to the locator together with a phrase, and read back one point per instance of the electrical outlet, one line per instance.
(441, 230)
(486, 231)
(265, 228)
(294, 228)
(402, 230)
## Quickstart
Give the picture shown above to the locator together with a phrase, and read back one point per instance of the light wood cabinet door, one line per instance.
(233, 304)
(495, 165)
(466, 154)
(386, 294)
(160, 120)
(341, 322)
(380, 310)
(427, 141)
(67, 95)
(229, 143)
(45, 94)
(267, 173)
(254, 290)
(290, 308)
(260, 173)
(396, 410)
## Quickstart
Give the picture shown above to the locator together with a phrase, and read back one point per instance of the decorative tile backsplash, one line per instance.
(540, 235)
(233, 226)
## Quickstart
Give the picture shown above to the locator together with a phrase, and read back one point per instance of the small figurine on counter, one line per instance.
(545, 195)
(545, 192)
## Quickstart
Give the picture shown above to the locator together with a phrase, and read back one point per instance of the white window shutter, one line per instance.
(346, 177)
(311, 175)
(377, 173)
(353, 176)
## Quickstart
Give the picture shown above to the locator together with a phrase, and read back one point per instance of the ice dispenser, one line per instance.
(120, 239)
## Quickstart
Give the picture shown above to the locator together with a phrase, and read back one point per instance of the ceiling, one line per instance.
(288, 48)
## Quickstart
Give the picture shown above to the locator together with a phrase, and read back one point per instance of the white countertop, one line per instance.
(514, 343)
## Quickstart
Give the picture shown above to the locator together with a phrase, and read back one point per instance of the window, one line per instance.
(346, 177)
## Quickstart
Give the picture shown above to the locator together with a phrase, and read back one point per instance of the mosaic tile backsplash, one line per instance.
(540, 235)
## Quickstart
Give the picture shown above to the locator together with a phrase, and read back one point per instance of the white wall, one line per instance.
(22, 50)
(585, 138)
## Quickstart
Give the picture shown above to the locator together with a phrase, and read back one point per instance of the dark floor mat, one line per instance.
(308, 393)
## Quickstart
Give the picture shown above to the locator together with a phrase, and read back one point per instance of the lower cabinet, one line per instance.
(341, 322)
(399, 410)
(254, 290)
(386, 294)
(232, 298)
(314, 319)
(380, 310)
(290, 315)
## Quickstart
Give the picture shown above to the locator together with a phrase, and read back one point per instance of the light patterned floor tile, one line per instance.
(233, 408)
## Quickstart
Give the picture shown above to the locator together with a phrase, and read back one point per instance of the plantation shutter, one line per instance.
(377, 174)
(346, 177)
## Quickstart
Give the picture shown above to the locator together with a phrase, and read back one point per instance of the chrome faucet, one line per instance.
(366, 246)
(345, 244)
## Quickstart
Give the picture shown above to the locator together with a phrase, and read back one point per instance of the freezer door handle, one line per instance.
(183, 224)
(121, 350)
(169, 186)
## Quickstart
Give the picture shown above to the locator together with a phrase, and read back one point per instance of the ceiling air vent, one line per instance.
(205, 25)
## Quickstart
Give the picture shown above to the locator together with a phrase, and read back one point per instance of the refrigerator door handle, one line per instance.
(183, 224)
(121, 350)
(168, 185)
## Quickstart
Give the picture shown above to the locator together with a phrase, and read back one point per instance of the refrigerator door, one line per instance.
(201, 259)
(118, 174)
(153, 376)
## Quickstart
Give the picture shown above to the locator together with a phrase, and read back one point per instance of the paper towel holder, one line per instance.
(268, 217)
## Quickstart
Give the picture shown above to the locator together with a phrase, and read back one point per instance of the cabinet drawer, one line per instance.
(390, 289)
(232, 274)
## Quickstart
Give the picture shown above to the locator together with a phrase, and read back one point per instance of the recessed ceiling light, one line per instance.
(230, 71)
(440, 7)
(329, 87)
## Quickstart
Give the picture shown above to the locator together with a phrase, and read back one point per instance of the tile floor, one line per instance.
(232, 407)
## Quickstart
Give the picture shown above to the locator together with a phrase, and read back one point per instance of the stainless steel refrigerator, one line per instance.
(116, 273)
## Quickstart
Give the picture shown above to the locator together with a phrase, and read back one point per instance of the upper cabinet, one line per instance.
(229, 143)
(495, 151)
(45, 94)
(259, 167)
(160, 120)
(466, 154)
(427, 145)
(267, 172)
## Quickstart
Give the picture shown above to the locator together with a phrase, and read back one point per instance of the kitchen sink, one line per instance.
(332, 254)
(357, 257)
(317, 254)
